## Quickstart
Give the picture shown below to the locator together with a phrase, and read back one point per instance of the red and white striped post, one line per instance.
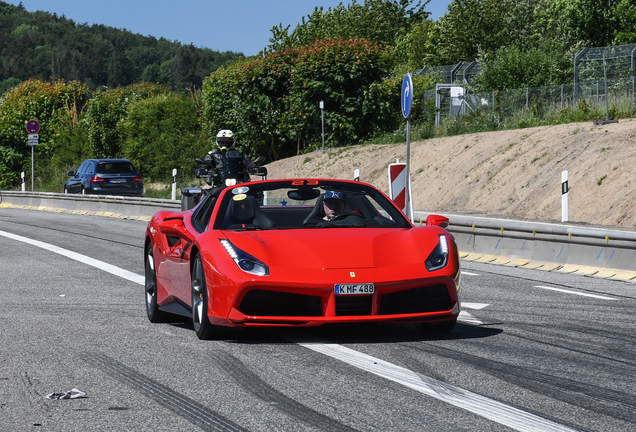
(397, 188)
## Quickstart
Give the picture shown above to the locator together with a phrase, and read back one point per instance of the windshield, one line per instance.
(115, 168)
(306, 204)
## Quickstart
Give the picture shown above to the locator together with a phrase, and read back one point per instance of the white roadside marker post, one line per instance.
(174, 184)
(564, 196)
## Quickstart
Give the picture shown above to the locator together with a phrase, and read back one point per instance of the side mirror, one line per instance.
(261, 171)
(175, 228)
(438, 220)
(200, 172)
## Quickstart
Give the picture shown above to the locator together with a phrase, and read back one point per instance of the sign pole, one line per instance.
(407, 103)
(322, 115)
(409, 207)
(32, 157)
(33, 127)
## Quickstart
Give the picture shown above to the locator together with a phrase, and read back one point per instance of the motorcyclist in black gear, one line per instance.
(222, 157)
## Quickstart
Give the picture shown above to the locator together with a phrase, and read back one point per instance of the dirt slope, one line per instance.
(506, 173)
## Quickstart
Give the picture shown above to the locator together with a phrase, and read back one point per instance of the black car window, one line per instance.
(81, 168)
(90, 168)
(202, 214)
(115, 168)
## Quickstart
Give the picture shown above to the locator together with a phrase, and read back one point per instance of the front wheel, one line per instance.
(200, 322)
(152, 308)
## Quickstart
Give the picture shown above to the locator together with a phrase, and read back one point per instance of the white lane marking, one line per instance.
(491, 409)
(469, 273)
(468, 318)
(480, 405)
(575, 292)
(474, 305)
(117, 271)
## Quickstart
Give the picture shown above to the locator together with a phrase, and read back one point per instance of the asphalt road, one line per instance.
(533, 351)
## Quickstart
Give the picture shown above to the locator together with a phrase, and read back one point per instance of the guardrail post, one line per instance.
(564, 197)
(174, 184)
(23, 185)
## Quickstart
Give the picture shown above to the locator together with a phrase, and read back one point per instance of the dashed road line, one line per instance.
(575, 292)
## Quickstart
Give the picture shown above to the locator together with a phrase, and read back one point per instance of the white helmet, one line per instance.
(225, 138)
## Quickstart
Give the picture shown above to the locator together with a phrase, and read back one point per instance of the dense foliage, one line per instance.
(273, 102)
(51, 104)
(51, 47)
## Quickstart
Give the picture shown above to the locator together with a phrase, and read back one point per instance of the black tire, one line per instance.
(202, 327)
(152, 308)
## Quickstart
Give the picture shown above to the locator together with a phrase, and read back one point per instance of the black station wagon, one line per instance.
(105, 177)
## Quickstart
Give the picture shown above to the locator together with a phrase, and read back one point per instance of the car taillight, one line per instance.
(96, 179)
(137, 179)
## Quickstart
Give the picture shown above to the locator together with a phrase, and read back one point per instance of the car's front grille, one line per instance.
(260, 302)
(433, 298)
(354, 305)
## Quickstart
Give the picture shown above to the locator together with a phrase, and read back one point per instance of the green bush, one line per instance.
(162, 133)
(106, 113)
(272, 102)
(49, 104)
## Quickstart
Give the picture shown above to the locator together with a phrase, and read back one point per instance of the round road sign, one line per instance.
(407, 95)
(33, 126)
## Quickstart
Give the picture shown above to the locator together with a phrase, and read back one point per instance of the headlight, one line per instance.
(245, 261)
(439, 257)
(230, 182)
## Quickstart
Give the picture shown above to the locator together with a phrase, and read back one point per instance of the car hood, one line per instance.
(338, 248)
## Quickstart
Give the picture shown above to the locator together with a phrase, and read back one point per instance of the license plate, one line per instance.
(118, 180)
(349, 289)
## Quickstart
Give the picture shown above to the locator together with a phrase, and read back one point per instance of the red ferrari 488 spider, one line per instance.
(301, 252)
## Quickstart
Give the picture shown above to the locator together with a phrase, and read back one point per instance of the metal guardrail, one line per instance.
(129, 206)
(560, 244)
(481, 238)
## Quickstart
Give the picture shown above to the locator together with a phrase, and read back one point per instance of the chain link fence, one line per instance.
(604, 81)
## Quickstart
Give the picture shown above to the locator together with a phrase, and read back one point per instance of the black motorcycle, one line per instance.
(234, 168)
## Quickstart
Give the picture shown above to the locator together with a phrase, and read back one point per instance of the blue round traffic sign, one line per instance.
(407, 95)
(33, 126)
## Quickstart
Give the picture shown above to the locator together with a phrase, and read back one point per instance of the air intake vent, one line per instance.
(433, 298)
(354, 305)
(275, 303)
(172, 240)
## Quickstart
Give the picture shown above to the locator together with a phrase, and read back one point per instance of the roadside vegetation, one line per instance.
(352, 57)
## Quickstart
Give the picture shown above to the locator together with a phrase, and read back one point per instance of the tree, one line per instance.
(33, 100)
(487, 25)
(272, 102)
(162, 133)
(106, 113)
(380, 21)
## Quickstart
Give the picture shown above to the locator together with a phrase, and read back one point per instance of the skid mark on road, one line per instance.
(186, 408)
(259, 388)
(456, 396)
